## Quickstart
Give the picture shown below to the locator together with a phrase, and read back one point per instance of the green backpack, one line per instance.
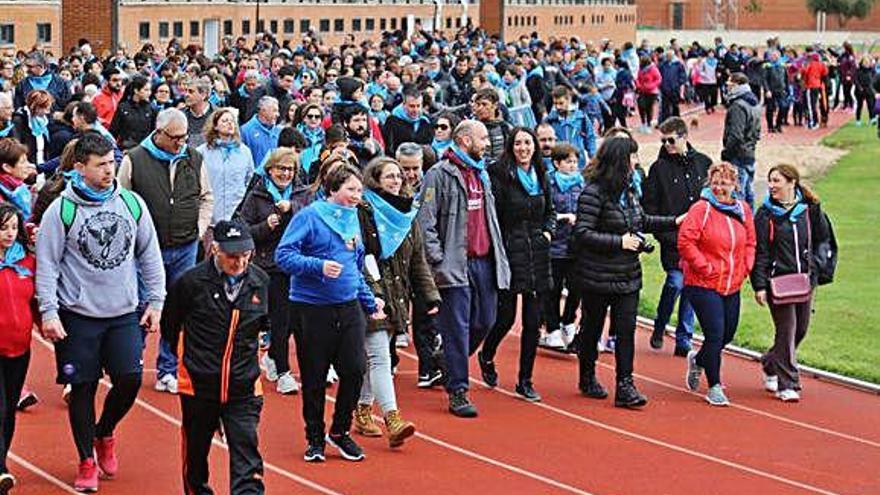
(68, 208)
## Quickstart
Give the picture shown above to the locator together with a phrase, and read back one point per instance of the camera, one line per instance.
(645, 246)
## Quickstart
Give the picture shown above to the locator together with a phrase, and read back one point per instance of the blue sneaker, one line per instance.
(610, 344)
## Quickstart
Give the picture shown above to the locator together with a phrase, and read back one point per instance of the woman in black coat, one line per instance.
(135, 117)
(606, 244)
(527, 220)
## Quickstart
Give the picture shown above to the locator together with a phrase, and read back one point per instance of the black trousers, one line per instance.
(775, 113)
(709, 95)
(81, 410)
(281, 321)
(646, 108)
(868, 100)
(563, 277)
(531, 320)
(240, 418)
(331, 334)
(12, 374)
(623, 309)
(425, 338)
(669, 106)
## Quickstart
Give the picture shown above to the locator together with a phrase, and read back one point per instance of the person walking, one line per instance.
(135, 117)
(788, 225)
(742, 131)
(717, 247)
(648, 82)
(775, 85)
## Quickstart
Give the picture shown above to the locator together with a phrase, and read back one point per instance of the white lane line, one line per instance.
(21, 461)
(171, 419)
(654, 441)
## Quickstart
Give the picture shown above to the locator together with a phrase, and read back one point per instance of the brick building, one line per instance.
(107, 23)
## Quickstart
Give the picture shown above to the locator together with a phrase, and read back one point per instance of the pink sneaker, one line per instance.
(87, 477)
(105, 449)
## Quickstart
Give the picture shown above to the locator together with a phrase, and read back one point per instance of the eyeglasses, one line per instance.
(313, 116)
(441, 127)
(287, 170)
(332, 74)
(172, 137)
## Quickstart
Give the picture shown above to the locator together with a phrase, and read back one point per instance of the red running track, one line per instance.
(827, 444)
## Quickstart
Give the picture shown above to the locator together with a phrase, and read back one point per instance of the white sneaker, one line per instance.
(568, 333)
(287, 384)
(542, 340)
(788, 395)
(167, 383)
(554, 339)
(65, 393)
(401, 341)
(332, 377)
(269, 367)
(771, 383)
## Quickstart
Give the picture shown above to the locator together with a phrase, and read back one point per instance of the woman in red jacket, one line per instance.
(717, 247)
(648, 87)
(18, 307)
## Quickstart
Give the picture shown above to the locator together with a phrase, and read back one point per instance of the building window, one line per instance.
(246, 27)
(356, 24)
(227, 27)
(458, 22)
(288, 26)
(393, 23)
(371, 24)
(261, 26)
(324, 25)
(7, 34)
(193, 29)
(305, 25)
(44, 32)
(178, 29)
(163, 30)
(449, 23)
(339, 25)
(144, 30)
(383, 24)
(273, 26)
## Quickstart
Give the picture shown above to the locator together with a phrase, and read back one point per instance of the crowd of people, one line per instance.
(351, 196)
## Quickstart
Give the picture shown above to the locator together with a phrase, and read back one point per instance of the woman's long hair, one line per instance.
(7, 211)
(509, 159)
(612, 167)
(791, 173)
(137, 83)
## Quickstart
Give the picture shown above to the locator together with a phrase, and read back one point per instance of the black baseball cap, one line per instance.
(233, 236)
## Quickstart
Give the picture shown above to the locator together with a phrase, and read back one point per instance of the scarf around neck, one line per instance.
(160, 154)
(478, 166)
(529, 180)
(7, 131)
(277, 194)
(734, 208)
(792, 213)
(416, 122)
(17, 193)
(14, 254)
(440, 146)
(392, 224)
(566, 181)
(634, 186)
(78, 183)
(39, 126)
(342, 220)
(40, 82)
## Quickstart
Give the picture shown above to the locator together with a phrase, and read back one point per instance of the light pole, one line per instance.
(257, 22)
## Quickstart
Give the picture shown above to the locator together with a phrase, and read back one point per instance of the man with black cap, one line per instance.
(213, 316)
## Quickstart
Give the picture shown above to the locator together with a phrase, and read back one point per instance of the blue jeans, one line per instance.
(177, 261)
(746, 169)
(671, 291)
(719, 317)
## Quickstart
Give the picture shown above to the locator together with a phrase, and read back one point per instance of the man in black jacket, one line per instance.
(673, 185)
(217, 310)
(775, 85)
(278, 87)
(407, 123)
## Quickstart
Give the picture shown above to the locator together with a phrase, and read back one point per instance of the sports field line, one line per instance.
(653, 441)
(21, 461)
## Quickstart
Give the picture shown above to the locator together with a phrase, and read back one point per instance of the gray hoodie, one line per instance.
(91, 269)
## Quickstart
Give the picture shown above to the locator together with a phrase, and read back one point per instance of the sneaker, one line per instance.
(657, 339)
(167, 383)
(590, 387)
(431, 379)
(627, 395)
(526, 390)
(105, 451)
(268, 365)
(610, 344)
(487, 369)
(694, 372)
(461, 406)
(65, 393)
(788, 395)
(348, 449)
(716, 397)
(315, 453)
(363, 421)
(555, 340)
(568, 333)
(86, 477)
(401, 341)
(265, 341)
(771, 383)
(858, 123)
(398, 429)
(332, 377)
(287, 384)
(681, 350)
(26, 399)
(7, 482)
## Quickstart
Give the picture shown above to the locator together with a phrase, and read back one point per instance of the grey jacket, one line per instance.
(443, 216)
(91, 269)
(742, 124)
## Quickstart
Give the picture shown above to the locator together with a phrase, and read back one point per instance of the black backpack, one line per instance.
(825, 255)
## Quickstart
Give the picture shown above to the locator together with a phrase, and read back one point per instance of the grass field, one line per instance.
(843, 335)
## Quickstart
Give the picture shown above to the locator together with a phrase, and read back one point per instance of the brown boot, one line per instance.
(363, 421)
(398, 429)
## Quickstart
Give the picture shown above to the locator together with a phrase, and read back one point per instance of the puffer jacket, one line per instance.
(563, 202)
(602, 264)
(648, 80)
(742, 125)
(133, 122)
(256, 208)
(524, 220)
(717, 249)
(498, 132)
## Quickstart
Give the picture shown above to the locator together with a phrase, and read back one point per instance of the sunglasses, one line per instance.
(313, 116)
(441, 127)
(669, 140)
(332, 75)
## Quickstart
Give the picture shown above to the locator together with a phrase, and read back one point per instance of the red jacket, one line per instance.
(648, 80)
(813, 73)
(19, 309)
(105, 103)
(717, 250)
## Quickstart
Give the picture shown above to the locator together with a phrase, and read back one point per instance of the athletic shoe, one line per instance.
(461, 406)
(694, 372)
(401, 341)
(555, 340)
(657, 339)
(590, 387)
(716, 397)
(487, 369)
(610, 344)
(526, 390)
(167, 383)
(568, 333)
(788, 395)
(287, 384)
(7, 482)
(26, 399)
(315, 453)
(363, 421)
(771, 383)
(86, 477)
(265, 341)
(348, 449)
(627, 395)
(431, 379)
(268, 365)
(332, 377)
(105, 451)
(65, 393)
(681, 350)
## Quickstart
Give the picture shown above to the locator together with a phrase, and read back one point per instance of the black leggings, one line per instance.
(81, 410)
(646, 108)
(12, 374)
(868, 99)
(623, 309)
(281, 321)
(531, 320)
(709, 94)
(563, 277)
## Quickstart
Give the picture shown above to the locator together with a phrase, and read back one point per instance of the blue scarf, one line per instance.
(779, 211)
(76, 180)
(41, 82)
(393, 225)
(635, 185)
(39, 126)
(100, 129)
(276, 194)
(711, 62)
(216, 100)
(432, 74)
(440, 147)
(548, 164)
(733, 208)
(566, 181)
(242, 91)
(529, 180)
(20, 197)
(160, 154)
(401, 114)
(7, 131)
(14, 254)
(341, 219)
(311, 152)
(537, 71)
(479, 166)
(507, 86)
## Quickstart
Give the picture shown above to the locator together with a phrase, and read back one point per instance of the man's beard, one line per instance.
(359, 134)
